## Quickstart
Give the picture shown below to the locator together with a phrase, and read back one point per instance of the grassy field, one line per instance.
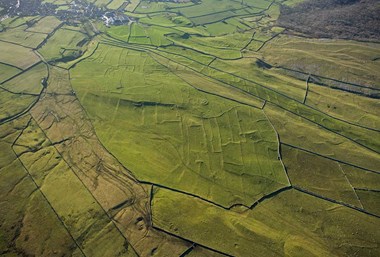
(64, 45)
(178, 119)
(20, 36)
(8, 71)
(320, 175)
(291, 224)
(354, 108)
(115, 4)
(354, 64)
(14, 22)
(32, 225)
(45, 25)
(132, 5)
(85, 220)
(29, 81)
(196, 128)
(18, 102)
(16, 55)
(295, 131)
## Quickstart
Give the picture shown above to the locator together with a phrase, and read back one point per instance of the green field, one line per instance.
(192, 128)
(175, 115)
(45, 25)
(65, 44)
(291, 224)
(17, 56)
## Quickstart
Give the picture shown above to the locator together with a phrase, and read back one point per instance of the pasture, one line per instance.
(191, 128)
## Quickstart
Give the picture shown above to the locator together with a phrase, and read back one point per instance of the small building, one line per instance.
(114, 18)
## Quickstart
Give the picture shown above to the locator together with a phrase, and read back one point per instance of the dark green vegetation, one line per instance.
(198, 129)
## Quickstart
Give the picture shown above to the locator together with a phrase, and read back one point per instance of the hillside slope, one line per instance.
(346, 19)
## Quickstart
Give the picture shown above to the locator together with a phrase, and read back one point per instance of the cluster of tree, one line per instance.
(348, 19)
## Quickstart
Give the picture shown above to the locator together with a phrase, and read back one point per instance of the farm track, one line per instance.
(27, 111)
(43, 195)
(284, 108)
(155, 52)
(149, 50)
(84, 185)
(353, 189)
(315, 109)
(107, 213)
(112, 212)
(135, 181)
(141, 48)
(234, 75)
(144, 50)
(207, 92)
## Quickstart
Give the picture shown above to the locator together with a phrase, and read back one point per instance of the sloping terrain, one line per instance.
(347, 19)
(191, 128)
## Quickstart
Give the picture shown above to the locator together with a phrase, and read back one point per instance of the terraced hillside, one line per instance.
(184, 128)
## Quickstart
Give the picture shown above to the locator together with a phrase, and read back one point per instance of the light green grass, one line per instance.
(13, 104)
(293, 2)
(302, 133)
(115, 4)
(199, 251)
(29, 81)
(132, 5)
(120, 32)
(155, 7)
(81, 214)
(209, 7)
(196, 43)
(343, 60)
(215, 148)
(363, 136)
(249, 69)
(319, 175)
(64, 44)
(360, 178)
(7, 71)
(45, 25)
(290, 224)
(343, 105)
(370, 200)
(88, 51)
(13, 22)
(28, 222)
(21, 37)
